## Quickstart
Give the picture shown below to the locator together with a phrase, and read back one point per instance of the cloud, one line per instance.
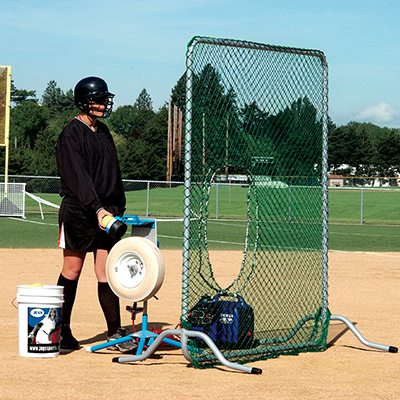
(380, 112)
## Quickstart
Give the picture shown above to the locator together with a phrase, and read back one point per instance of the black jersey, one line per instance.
(88, 167)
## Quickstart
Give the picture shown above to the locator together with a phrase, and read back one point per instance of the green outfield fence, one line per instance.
(347, 205)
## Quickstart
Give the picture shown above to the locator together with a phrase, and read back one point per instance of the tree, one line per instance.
(296, 136)
(56, 100)
(256, 128)
(144, 107)
(367, 149)
(388, 157)
(342, 143)
(130, 121)
(27, 120)
(123, 120)
(43, 157)
(18, 96)
(154, 141)
(144, 101)
(178, 93)
(145, 157)
(364, 153)
(331, 125)
(214, 121)
(20, 161)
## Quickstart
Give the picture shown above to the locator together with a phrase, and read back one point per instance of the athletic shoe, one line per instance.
(128, 346)
(67, 340)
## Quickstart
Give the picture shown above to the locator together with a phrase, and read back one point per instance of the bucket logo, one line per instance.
(37, 313)
(44, 329)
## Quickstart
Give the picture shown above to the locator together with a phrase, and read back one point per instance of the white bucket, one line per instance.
(39, 320)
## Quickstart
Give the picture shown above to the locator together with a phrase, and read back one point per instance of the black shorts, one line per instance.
(79, 229)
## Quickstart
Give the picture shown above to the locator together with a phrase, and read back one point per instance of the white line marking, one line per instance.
(32, 222)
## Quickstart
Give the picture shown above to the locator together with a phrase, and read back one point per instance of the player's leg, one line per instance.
(109, 302)
(71, 271)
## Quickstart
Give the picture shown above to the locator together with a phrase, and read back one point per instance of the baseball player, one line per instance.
(91, 188)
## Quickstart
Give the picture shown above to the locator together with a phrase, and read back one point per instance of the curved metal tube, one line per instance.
(184, 335)
(390, 349)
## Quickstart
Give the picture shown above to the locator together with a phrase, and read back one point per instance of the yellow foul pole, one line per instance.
(6, 100)
(7, 122)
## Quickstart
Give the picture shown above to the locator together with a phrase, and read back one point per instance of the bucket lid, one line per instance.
(40, 300)
(46, 290)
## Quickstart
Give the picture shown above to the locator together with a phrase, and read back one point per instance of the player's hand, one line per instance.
(100, 215)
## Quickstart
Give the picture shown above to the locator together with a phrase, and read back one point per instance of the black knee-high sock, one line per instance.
(110, 305)
(69, 298)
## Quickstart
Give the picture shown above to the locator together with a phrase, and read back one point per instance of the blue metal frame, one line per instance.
(136, 221)
(146, 337)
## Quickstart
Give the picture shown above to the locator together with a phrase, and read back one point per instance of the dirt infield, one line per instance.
(364, 287)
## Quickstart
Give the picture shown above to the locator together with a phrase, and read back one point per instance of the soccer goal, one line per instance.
(12, 200)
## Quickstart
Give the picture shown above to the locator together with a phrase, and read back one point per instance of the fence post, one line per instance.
(216, 205)
(362, 205)
(148, 198)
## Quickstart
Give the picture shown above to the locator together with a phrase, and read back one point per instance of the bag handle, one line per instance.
(240, 298)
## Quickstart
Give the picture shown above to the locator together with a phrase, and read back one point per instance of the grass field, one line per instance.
(345, 231)
(380, 207)
(33, 232)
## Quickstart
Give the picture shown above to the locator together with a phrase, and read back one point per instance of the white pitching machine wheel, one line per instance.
(135, 269)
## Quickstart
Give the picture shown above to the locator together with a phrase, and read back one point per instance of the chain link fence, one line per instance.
(363, 205)
(364, 181)
(144, 198)
(347, 205)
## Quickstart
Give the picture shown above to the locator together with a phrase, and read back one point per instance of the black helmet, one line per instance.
(93, 88)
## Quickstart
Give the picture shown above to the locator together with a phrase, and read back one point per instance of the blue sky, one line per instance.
(142, 44)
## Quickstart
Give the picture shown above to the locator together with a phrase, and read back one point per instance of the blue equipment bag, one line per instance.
(229, 323)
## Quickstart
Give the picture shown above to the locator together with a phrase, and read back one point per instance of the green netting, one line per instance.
(260, 112)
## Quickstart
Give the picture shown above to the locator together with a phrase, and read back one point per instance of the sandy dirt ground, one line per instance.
(364, 287)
